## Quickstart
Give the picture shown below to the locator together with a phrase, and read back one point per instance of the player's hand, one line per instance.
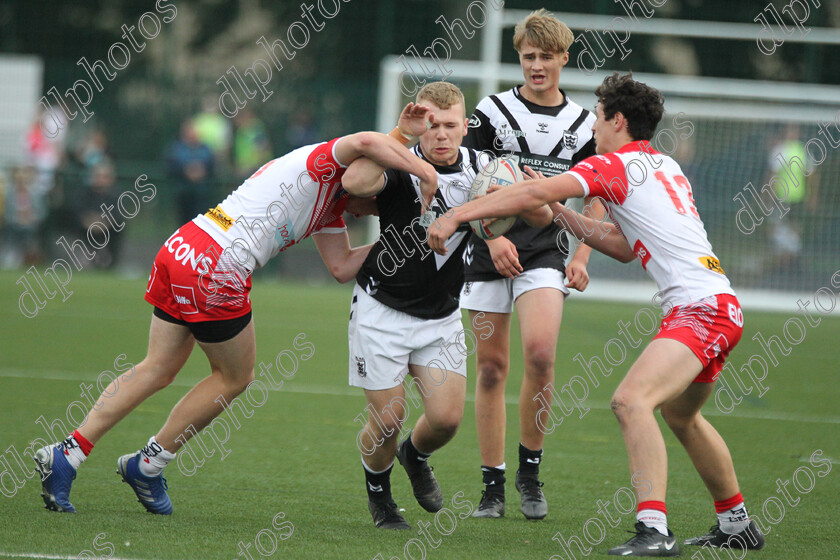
(415, 120)
(531, 174)
(505, 257)
(428, 188)
(440, 230)
(576, 276)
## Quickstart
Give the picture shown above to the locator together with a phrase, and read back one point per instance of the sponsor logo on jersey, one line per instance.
(221, 219)
(712, 264)
(285, 235)
(570, 139)
(475, 122)
(361, 370)
(467, 285)
(547, 165)
(543, 127)
(642, 252)
(506, 130)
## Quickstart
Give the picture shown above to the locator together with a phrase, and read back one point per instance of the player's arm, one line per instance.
(386, 152)
(598, 234)
(342, 261)
(576, 274)
(515, 200)
(365, 174)
(503, 252)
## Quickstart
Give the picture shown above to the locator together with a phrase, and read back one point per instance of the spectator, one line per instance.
(24, 209)
(301, 131)
(794, 179)
(213, 129)
(251, 145)
(99, 190)
(44, 154)
(191, 166)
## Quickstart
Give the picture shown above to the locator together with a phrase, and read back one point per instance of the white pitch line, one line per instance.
(292, 386)
(4, 554)
(808, 460)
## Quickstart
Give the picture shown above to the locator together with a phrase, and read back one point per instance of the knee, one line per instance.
(238, 385)
(624, 406)
(160, 375)
(388, 423)
(539, 362)
(492, 373)
(679, 423)
(446, 424)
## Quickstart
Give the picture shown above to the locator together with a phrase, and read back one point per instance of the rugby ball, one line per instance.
(501, 171)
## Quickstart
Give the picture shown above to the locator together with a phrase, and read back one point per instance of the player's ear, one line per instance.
(564, 58)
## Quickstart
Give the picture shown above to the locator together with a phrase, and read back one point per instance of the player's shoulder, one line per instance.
(490, 105)
(476, 159)
(596, 164)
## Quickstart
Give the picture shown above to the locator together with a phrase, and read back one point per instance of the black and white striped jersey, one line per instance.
(548, 139)
(401, 270)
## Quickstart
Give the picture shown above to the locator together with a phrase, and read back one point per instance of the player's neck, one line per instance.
(549, 98)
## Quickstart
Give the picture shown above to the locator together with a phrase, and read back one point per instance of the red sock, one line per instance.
(725, 505)
(653, 504)
(653, 514)
(732, 514)
(84, 444)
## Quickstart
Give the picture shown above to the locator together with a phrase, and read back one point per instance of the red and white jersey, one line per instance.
(282, 203)
(650, 201)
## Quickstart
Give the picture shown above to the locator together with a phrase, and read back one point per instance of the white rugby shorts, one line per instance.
(498, 296)
(384, 341)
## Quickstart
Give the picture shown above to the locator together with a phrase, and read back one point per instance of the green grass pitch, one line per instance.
(297, 456)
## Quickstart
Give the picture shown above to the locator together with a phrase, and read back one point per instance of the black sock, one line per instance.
(529, 461)
(494, 479)
(412, 453)
(378, 485)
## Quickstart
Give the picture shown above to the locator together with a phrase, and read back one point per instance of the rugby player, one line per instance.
(199, 286)
(655, 221)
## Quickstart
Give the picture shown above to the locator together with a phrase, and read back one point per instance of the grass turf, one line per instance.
(296, 455)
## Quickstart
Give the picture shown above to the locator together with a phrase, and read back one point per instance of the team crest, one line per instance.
(475, 122)
(570, 139)
(360, 366)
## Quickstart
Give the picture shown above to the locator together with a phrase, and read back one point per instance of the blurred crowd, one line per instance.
(59, 184)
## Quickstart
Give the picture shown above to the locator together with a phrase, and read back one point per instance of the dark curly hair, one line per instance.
(640, 104)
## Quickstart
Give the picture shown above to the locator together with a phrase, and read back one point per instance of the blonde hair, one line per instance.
(544, 31)
(442, 94)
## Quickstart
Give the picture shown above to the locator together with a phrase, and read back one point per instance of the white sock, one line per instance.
(735, 520)
(154, 458)
(653, 518)
(72, 452)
